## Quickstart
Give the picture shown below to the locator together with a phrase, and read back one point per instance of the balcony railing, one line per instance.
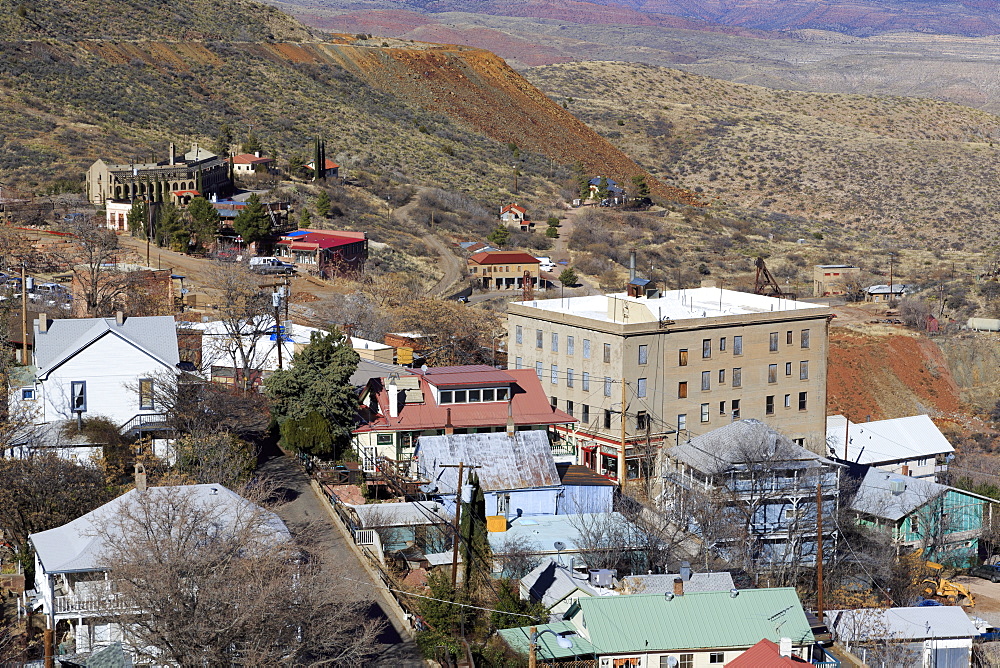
(90, 598)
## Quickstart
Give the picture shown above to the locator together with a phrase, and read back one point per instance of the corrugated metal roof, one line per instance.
(548, 648)
(720, 449)
(503, 257)
(702, 620)
(400, 514)
(551, 582)
(475, 374)
(916, 623)
(893, 496)
(524, 462)
(885, 441)
(157, 335)
(661, 584)
(574, 474)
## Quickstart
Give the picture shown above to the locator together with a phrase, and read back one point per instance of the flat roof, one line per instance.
(673, 304)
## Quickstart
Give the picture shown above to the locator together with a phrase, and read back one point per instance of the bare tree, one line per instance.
(609, 540)
(220, 584)
(247, 320)
(517, 556)
(95, 258)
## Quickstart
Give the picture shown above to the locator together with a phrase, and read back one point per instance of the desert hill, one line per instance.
(910, 170)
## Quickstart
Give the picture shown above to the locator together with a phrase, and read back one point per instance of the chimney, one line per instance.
(195, 150)
(393, 392)
(685, 571)
(140, 478)
(631, 265)
(906, 470)
(173, 154)
(511, 428)
(256, 154)
(449, 429)
(43, 323)
(120, 318)
(785, 647)
(678, 587)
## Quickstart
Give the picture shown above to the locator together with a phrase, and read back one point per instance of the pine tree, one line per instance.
(640, 189)
(317, 165)
(138, 219)
(500, 236)
(205, 220)
(323, 204)
(252, 223)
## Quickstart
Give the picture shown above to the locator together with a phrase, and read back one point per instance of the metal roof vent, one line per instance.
(897, 486)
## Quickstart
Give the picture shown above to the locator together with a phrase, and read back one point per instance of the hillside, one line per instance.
(903, 170)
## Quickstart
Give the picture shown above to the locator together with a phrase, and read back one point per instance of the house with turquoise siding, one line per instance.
(944, 522)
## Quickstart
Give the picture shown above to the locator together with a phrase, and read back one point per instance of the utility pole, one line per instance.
(621, 452)
(24, 317)
(276, 302)
(532, 647)
(819, 548)
(847, 434)
(890, 276)
(458, 518)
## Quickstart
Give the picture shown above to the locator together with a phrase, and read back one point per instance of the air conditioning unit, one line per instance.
(897, 486)
(601, 577)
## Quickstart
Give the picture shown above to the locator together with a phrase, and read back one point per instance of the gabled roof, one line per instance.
(720, 449)
(528, 405)
(470, 374)
(661, 584)
(76, 547)
(503, 257)
(503, 463)
(513, 207)
(766, 654)
(915, 623)
(156, 335)
(892, 496)
(249, 159)
(313, 239)
(327, 164)
(550, 583)
(884, 441)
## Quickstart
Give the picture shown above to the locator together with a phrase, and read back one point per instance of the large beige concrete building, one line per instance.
(175, 179)
(830, 280)
(683, 363)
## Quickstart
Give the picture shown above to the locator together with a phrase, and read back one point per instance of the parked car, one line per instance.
(546, 264)
(270, 265)
(49, 293)
(989, 572)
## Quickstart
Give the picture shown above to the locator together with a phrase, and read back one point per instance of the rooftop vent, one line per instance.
(897, 486)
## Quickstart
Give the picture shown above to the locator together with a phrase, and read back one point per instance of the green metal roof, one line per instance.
(651, 622)
(519, 638)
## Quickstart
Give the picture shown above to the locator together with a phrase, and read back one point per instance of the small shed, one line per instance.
(584, 490)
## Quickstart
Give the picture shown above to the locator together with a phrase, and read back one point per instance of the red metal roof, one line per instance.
(765, 654)
(529, 406)
(475, 374)
(513, 207)
(249, 159)
(314, 239)
(504, 257)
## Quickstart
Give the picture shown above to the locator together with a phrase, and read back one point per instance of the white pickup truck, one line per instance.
(546, 264)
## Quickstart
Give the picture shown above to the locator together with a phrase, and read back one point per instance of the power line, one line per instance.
(441, 600)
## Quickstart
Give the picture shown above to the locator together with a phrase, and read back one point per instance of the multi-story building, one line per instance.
(681, 363)
(834, 279)
(173, 180)
(503, 270)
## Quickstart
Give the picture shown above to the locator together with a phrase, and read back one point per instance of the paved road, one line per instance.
(304, 511)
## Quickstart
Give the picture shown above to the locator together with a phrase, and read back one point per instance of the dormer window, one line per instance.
(473, 396)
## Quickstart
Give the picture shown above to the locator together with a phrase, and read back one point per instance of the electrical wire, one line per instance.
(440, 600)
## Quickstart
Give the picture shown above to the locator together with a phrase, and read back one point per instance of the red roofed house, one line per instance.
(332, 169)
(396, 411)
(503, 270)
(767, 654)
(324, 253)
(515, 215)
(248, 163)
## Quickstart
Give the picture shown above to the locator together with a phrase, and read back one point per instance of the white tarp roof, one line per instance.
(884, 441)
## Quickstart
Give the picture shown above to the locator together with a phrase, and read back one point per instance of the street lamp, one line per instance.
(562, 640)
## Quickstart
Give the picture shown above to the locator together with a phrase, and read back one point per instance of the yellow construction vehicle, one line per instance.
(943, 590)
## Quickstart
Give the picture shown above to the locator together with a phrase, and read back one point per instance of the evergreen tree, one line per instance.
(204, 221)
(568, 277)
(223, 140)
(317, 396)
(252, 223)
(305, 220)
(317, 165)
(170, 229)
(322, 205)
(500, 236)
(640, 189)
(251, 144)
(602, 188)
(477, 558)
(138, 219)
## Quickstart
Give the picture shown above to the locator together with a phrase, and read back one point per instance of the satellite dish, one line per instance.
(672, 661)
(559, 545)
(428, 488)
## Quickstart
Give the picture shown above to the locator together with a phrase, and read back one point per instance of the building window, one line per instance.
(686, 661)
(788, 337)
(769, 405)
(706, 380)
(607, 386)
(555, 342)
(554, 374)
(554, 402)
(643, 354)
(570, 345)
(586, 349)
(804, 338)
(682, 357)
(788, 368)
(722, 376)
(461, 396)
(607, 419)
(722, 345)
(705, 413)
(27, 394)
(78, 393)
(788, 401)
(706, 349)
(607, 353)
(446, 397)
(736, 409)
(145, 394)
(585, 381)
(682, 390)
(682, 422)
(737, 345)
(772, 373)
(803, 400)
(717, 657)
(722, 408)
(641, 420)
(584, 413)
(737, 377)
(502, 393)
(383, 439)
(538, 339)
(518, 362)
(538, 370)
(569, 407)
(803, 370)
(569, 378)
(640, 388)
(773, 346)
(519, 334)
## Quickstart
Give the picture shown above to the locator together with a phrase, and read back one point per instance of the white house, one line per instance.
(106, 367)
(912, 445)
(72, 582)
(117, 212)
